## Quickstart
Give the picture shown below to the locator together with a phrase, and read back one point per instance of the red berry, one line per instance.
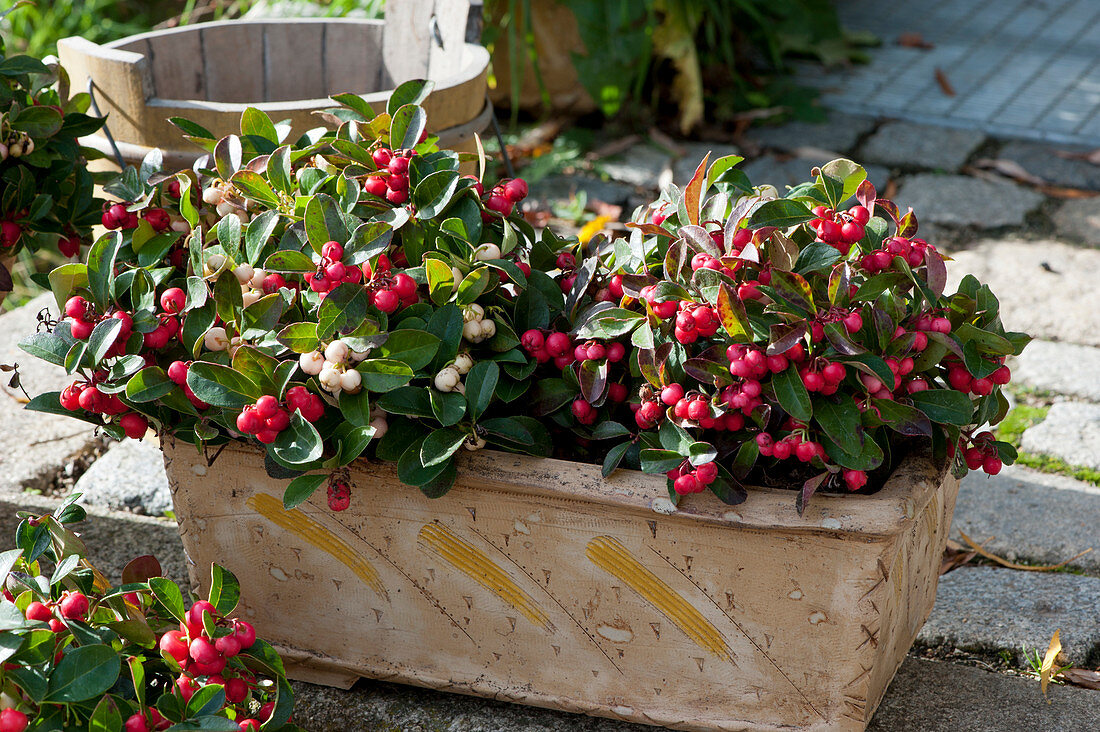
(134, 425)
(76, 307)
(860, 215)
(706, 473)
(1001, 376)
(177, 372)
(558, 344)
(266, 407)
(248, 725)
(195, 612)
(245, 633)
(685, 484)
(135, 723)
(81, 330)
(174, 645)
(278, 422)
(228, 646)
(203, 651)
(381, 156)
(617, 392)
(267, 436)
(386, 300)
(855, 479)
(499, 204)
(272, 283)
(186, 687)
(12, 720)
(404, 286)
(332, 250)
(515, 190)
(853, 322)
(70, 396)
(697, 409)
(37, 611)
(73, 606)
(992, 465)
(236, 690)
(672, 394)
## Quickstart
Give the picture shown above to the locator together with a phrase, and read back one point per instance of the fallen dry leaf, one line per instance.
(613, 148)
(607, 210)
(1060, 192)
(1082, 677)
(1012, 565)
(1053, 650)
(945, 85)
(1090, 156)
(955, 556)
(1009, 168)
(912, 39)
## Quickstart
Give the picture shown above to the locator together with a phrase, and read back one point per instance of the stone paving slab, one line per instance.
(684, 166)
(1079, 220)
(1046, 288)
(1071, 431)
(995, 609)
(933, 696)
(839, 133)
(1043, 160)
(128, 477)
(644, 166)
(958, 200)
(559, 189)
(909, 145)
(33, 445)
(1065, 368)
(1027, 516)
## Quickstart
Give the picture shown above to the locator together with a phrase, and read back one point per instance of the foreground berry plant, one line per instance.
(80, 654)
(47, 190)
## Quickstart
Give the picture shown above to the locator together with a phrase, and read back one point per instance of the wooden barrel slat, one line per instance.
(294, 61)
(233, 62)
(176, 75)
(353, 58)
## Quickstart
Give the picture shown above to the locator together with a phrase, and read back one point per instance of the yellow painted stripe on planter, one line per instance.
(609, 554)
(311, 531)
(474, 563)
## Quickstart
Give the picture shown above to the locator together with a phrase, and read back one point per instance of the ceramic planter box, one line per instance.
(535, 581)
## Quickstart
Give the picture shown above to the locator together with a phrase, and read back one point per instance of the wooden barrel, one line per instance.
(210, 72)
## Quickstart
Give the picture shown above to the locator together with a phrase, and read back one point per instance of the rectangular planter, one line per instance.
(538, 582)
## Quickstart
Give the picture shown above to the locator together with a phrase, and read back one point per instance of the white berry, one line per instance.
(212, 195)
(244, 273)
(471, 331)
(473, 444)
(473, 312)
(311, 363)
(329, 378)
(488, 329)
(350, 381)
(337, 352)
(250, 296)
(463, 363)
(446, 379)
(380, 425)
(257, 280)
(487, 251)
(216, 339)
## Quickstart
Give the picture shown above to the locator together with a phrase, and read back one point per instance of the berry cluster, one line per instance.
(687, 479)
(840, 229)
(392, 180)
(226, 201)
(503, 197)
(265, 419)
(695, 321)
(334, 368)
(475, 326)
(982, 454)
(912, 251)
(449, 378)
(331, 272)
(116, 216)
(86, 395)
(389, 290)
(203, 653)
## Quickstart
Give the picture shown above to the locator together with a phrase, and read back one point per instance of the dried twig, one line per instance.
(1012, 565)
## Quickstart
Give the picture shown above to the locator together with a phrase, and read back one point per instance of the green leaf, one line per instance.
(299, 489)
(781, 213)
(441, 281)
(417, 348)
(106, 716)
(148, 385)
(434, 193)
(225, 590)
(102, 339)
(839, 418)
(368, 241)
(299, 337)
(206, 701)
(447, 407)
(342, 310)
(256, 122)
(440, 445)
(410, 92)
(51, 347)
(253, 186)
(613, 458)
(903, 418)
(83, 673)
(384, 374)
(324, 222)
(701, 452)
(221, 386)
(298, 444)
(289, 261)
(169, 595)
(550, 395)
(660, 461)
(406, 125)
(794, 288)
(411, 471)
(609, 429)
(944, 406)
(792, 394)
(472, 285)
(481, 384)
(414, 401)
(868, 458)
(101, 266)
